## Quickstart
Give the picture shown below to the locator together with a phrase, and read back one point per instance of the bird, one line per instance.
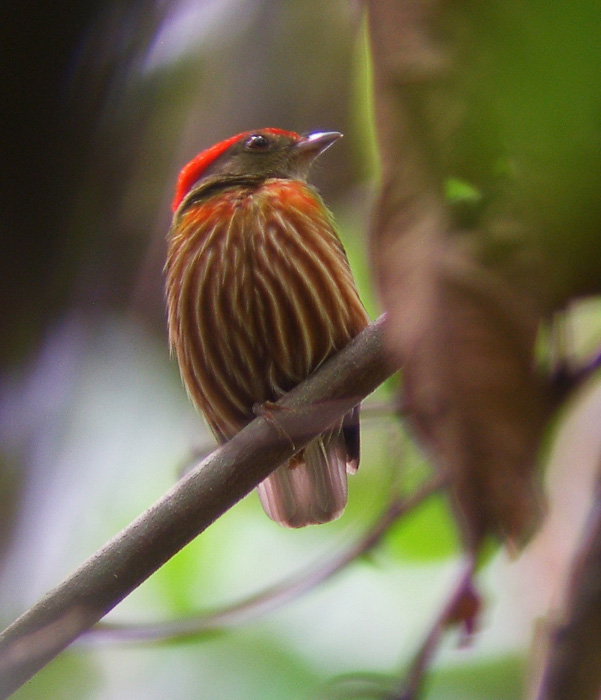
(259, 294)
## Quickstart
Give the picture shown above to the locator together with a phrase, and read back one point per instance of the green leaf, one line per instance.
(459, 191)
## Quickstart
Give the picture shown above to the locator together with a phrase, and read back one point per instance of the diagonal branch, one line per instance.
(461, 606)
(572, 668)
(462, 594)
(276, 595)
(208, 491)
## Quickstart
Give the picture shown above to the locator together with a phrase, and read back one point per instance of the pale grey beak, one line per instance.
(313, 144)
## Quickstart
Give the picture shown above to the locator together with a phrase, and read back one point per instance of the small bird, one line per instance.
(259, 294)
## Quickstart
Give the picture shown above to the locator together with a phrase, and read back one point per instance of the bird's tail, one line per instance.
(311, 488)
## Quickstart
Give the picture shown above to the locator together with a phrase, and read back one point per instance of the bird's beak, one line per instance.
(311, 145)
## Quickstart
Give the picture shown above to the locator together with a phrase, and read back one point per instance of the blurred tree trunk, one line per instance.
(49, 124)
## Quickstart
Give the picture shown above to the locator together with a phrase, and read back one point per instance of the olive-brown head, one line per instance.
(253, 156)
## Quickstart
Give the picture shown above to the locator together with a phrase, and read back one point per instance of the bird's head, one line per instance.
(254, 156)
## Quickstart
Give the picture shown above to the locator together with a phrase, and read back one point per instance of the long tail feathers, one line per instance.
(311, 489)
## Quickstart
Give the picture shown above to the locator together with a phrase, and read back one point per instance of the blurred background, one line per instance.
(104, 103)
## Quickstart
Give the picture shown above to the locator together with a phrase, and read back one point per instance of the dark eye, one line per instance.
(257, 142)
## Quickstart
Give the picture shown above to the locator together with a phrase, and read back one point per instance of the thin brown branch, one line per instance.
(572, 668)
(460, 607)
(214, 486)
(411, 685)
(381, 409)
(276, 595)
(567, 379)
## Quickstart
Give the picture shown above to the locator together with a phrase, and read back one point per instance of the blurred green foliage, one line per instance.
(429, 533)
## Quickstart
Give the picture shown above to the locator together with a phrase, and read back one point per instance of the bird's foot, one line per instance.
(267, 410)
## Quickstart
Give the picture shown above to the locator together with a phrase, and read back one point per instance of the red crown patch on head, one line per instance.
(193, 171)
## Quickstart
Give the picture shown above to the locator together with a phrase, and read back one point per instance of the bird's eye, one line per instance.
(257, 142)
